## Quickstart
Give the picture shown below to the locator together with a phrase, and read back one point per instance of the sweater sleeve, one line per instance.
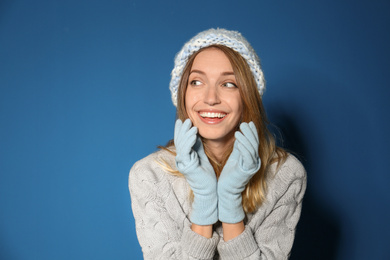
(163, 228)
(269, 234)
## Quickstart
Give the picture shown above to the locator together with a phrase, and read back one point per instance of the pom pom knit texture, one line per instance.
(231, 39)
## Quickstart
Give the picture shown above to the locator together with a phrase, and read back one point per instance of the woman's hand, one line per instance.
(243, 163)
(193, 163)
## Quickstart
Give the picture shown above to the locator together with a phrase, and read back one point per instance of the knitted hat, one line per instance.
(231, 39)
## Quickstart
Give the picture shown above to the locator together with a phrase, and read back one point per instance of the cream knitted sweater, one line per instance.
(161, 208)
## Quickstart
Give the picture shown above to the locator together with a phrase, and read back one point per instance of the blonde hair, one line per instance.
(254, 194)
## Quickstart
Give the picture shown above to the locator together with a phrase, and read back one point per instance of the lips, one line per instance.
(212, 117)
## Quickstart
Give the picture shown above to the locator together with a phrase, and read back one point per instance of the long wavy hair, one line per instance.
(253, 110)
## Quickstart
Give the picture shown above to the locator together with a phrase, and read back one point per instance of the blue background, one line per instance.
(84, 94)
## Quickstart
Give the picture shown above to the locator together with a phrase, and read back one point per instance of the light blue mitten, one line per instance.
(243, 163)
(193, 163)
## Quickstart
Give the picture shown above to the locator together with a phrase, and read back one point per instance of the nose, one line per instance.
(211, 96)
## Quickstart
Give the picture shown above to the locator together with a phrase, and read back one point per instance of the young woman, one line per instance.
(221, 189)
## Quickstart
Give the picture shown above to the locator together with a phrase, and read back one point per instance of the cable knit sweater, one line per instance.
(161, 208)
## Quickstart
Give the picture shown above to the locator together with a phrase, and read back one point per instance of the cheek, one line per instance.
(189, 105)
(236, 105)
(190, 100)
(240, 109)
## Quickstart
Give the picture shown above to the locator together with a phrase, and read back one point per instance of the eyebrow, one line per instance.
(227, 73)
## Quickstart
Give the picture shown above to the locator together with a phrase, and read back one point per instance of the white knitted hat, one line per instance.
(231, 39)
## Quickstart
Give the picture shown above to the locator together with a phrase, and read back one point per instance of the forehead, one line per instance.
(212, 58)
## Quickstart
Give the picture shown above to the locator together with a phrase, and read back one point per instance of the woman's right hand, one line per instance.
(193, 163)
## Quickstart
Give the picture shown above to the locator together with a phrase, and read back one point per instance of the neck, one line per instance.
(218, 148)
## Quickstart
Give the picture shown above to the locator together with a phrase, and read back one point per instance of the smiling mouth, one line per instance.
(212, 115)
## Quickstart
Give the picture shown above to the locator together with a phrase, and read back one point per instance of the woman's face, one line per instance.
(212, 100)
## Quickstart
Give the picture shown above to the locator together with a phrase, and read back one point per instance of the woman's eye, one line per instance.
(229, 85)
(195, 83)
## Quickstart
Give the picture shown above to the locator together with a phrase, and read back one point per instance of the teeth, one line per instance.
(212, 115)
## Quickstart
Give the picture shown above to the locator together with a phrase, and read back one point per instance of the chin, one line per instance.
(215, 135)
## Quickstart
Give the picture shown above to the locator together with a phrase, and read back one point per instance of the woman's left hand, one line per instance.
(193, 163)
(242, 164)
